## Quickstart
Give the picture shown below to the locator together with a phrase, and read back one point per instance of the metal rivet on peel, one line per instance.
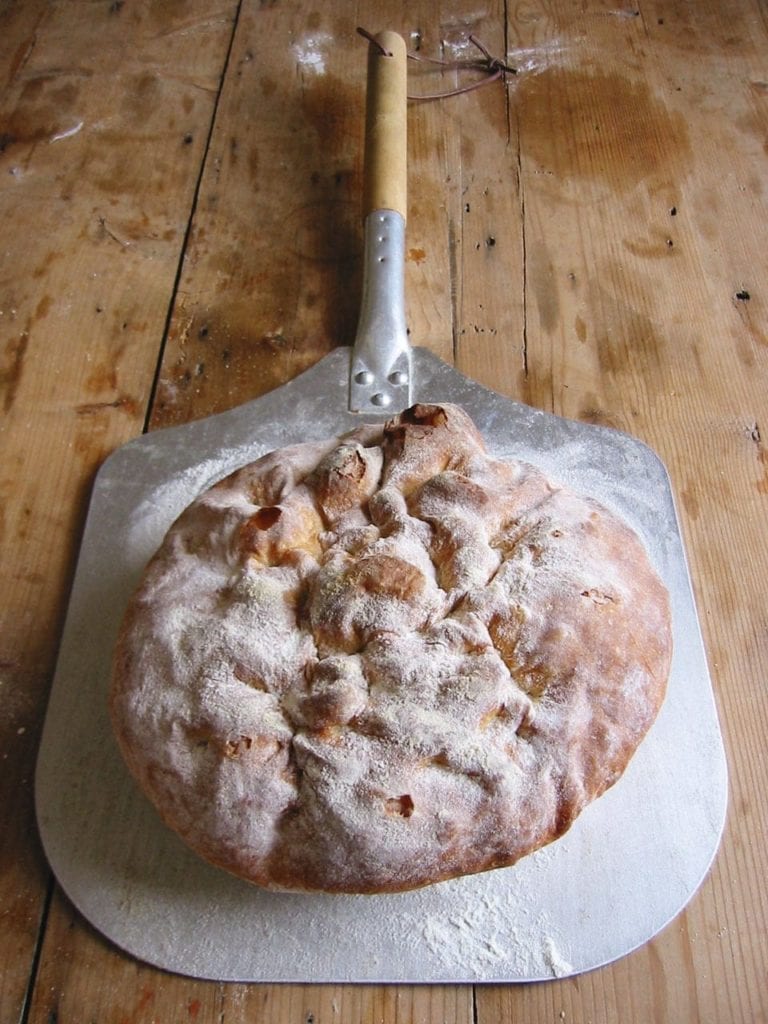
(380, 399)
(398, 378)
(364, 377)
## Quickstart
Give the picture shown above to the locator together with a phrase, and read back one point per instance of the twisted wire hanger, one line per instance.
(493, 67)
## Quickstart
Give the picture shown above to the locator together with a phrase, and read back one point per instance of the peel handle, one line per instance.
(380, 372)
(386, 172)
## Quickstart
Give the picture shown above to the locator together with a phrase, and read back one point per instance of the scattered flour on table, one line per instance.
(311, 51)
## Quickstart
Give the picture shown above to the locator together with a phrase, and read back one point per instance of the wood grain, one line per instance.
(103, 122)
(180, 195)
(272, 272)
(628, 304)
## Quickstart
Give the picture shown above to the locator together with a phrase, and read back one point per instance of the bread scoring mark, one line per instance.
(234, 747)
(265, 517)
(597, 596)
(345, 480)
(439, 760)
(274, 534)
(497, 714)
(401, 806)
(425, 415)
(253, 681)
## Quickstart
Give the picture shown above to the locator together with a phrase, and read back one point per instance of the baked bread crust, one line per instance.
(378, 662)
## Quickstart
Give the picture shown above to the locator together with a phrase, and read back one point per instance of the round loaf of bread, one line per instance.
(389, 659)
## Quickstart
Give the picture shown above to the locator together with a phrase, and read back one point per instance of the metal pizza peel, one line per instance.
(630, 863)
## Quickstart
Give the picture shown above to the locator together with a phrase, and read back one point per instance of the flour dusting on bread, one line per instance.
(388, 659)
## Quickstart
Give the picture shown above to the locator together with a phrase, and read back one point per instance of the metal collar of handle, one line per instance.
(380, 375)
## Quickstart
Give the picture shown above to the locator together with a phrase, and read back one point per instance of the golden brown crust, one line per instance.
(379, 662)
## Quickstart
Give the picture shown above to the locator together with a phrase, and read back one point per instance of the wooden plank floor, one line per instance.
(179, 193)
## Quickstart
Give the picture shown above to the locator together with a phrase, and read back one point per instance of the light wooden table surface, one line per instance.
(179, 194)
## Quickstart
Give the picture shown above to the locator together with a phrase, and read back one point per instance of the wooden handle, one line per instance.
(386, 171)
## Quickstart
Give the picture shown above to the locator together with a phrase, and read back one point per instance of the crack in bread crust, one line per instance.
(385, 660)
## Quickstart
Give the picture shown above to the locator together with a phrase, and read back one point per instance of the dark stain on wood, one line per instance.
(101, 379)
(656, 245)
(607, 127)
(629, 347)
(47, 262)
(20, 56)
(123, 403)
(45, 107)
(140, 95)
(592, 412)
(690, 502)
(325, 231)
(10, 373)
(541, 276)
(625, 338)
(333, 109)
(253, 163)
(43, 308)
